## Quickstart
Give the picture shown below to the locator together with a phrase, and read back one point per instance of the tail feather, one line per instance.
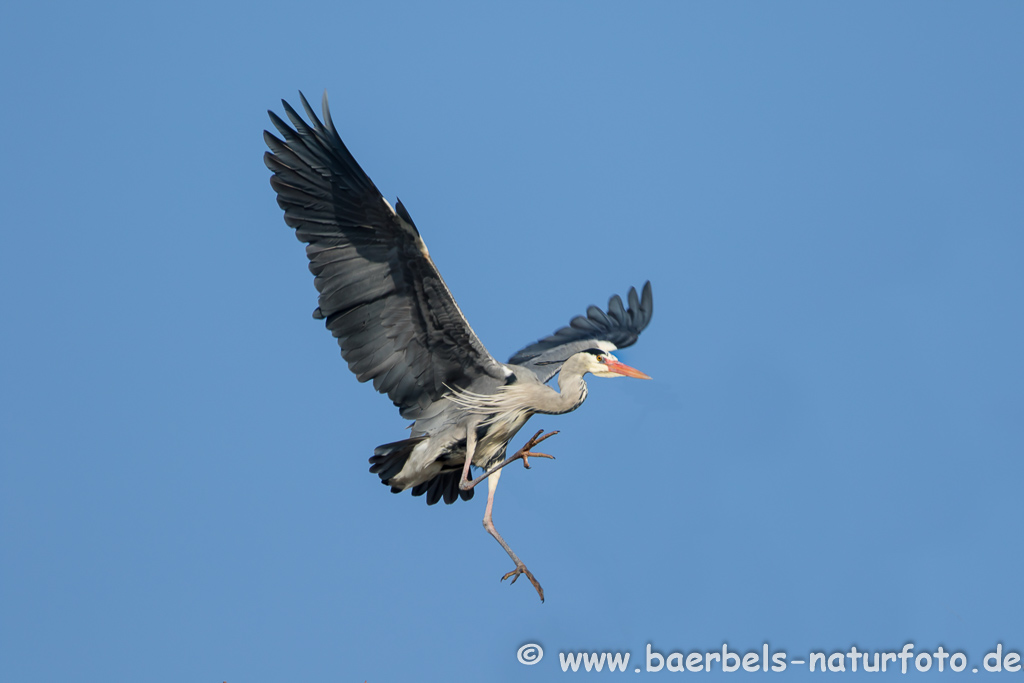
(389, 459)
(444, 485)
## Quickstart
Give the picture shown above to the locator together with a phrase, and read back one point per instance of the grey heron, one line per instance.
(399, 326)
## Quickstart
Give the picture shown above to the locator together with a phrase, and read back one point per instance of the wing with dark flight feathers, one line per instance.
(380, 293)
(619, 326)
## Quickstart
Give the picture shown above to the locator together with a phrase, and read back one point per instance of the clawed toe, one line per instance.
(521, 569)
(537, 438)
(527, 455)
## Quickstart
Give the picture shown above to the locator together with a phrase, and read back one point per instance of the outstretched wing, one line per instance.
(618, 328)
(380, 293)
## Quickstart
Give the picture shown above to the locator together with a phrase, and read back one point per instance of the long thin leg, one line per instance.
(470, 450)
(523, 453)
(492, 484)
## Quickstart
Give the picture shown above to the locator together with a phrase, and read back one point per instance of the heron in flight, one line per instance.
(399, 326)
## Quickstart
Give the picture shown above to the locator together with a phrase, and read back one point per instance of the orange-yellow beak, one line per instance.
(623, 369)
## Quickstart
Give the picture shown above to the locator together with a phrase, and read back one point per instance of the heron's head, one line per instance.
(603, 364)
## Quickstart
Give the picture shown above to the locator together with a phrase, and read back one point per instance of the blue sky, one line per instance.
(827, 198)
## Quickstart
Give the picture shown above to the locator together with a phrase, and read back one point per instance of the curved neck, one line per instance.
(572, 390)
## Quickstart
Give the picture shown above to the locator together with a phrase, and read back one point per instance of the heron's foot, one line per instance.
(521, 569)
(525, 451)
